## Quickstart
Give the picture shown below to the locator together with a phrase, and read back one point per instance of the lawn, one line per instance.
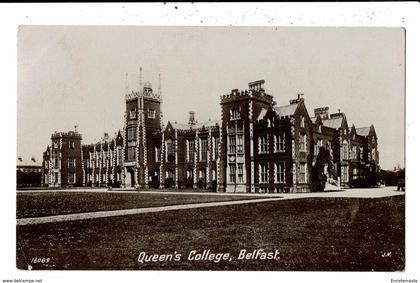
(340, 234)
(35, 204)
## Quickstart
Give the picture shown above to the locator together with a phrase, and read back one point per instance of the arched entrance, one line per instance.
(129, 178)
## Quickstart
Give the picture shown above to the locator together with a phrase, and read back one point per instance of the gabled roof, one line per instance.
(118, 135)
(364, 131)
(178, 126)
(206, 124)
(317, 120)
(209, 123)
(334, 123)
(28, 162)
(286, 110)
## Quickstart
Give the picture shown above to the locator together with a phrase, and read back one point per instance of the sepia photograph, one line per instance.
(272, 148)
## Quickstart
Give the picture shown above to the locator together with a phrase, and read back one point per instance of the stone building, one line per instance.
(102, 164)
(240, 110)
(62, 160)
(28, 173)
(142, 137)
(190, 156)
(256, 146)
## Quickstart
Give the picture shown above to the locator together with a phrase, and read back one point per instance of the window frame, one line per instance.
(151, 113)
(131, 134)
(280, 142)
(190, 149)
(133, 114)
(264, 174)
(232, 144)
(235, 113)
(232, 173)
(240, 172)
(302, 142)
(204, 148)
(263, 144)
(280, 172)
(302, 172)
(131, 152)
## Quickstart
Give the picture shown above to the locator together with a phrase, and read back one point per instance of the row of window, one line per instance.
(71, 178)
(279, 172)
(235, 114)
(151, 113)
(89, 177)
(72, 144)
(55, 162)
(190, 150)
(236, 143)
(202, 174)
(96, 157)
(279, 143)
(236, 173)
(203, 149)
(353, 153)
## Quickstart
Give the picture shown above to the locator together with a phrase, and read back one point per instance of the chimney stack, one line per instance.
(191, 119)
(257, 85)
(323, 112)
(297, 100)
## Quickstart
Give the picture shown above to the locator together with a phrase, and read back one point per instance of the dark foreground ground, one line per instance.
(341, 234)
(35, 204)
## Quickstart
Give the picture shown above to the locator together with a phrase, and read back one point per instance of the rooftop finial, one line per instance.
(126, 82)
(160, 85)
(140, 78)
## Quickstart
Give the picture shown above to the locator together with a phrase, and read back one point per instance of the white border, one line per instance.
(245, 14)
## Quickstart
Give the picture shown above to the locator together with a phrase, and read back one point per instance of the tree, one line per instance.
(319, 179)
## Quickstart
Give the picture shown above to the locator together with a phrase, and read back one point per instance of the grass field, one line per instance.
(310, 234)
(35, 204)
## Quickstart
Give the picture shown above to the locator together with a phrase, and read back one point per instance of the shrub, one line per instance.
(213, 186)
(169, 183)
(201, 184)
(189, 182)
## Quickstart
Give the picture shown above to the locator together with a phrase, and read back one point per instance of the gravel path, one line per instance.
(121, 212)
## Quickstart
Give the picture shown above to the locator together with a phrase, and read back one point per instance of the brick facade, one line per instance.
(62, 162)
(256, 146)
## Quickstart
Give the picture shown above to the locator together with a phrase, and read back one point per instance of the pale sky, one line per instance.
(76, 75)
